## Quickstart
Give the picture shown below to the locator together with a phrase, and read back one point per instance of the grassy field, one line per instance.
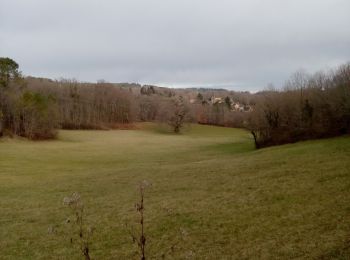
(212, 196)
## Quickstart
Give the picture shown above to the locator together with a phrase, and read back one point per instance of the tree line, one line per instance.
(23, 112)
(307, 107)
(36, 107)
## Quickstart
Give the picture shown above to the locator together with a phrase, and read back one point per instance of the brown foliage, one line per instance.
(311, 106)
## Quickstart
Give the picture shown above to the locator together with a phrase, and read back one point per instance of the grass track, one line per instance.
(212, 197)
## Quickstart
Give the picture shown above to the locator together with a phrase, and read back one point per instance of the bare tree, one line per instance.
(178, 116)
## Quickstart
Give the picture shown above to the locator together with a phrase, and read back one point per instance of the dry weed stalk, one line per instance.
(83, 233)
(140, 238)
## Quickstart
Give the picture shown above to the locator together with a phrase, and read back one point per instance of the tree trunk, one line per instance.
(257, 146)
(1, 130)
(1, 124)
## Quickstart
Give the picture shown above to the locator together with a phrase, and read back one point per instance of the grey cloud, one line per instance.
(240, 43)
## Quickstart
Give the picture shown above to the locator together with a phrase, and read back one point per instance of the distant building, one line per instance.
(236, 106)
(216, 100)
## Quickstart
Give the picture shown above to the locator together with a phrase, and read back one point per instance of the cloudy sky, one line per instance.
(237, 44)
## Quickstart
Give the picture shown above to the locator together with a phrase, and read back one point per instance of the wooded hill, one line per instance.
(308, 106)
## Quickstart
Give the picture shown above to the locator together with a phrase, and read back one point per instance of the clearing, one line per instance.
(213, 196)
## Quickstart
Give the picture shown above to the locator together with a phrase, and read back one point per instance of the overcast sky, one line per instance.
(237, 44)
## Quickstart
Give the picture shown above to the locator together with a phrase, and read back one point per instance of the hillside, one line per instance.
(212, 195)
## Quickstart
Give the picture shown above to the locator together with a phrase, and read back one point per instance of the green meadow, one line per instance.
(212, 195)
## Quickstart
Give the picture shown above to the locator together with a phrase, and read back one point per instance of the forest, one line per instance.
(306, 107)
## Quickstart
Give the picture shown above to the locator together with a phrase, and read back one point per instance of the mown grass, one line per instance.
(212, 197)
